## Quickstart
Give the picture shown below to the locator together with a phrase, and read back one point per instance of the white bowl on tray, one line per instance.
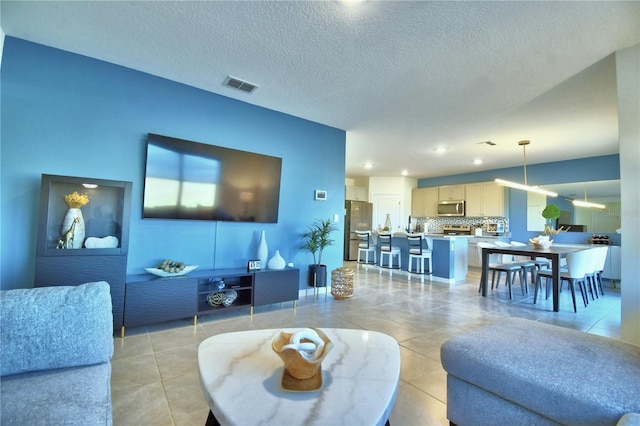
(161, 273)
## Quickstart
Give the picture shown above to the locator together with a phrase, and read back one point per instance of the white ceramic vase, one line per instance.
(277, 262)
(72, 232)
(263, 250)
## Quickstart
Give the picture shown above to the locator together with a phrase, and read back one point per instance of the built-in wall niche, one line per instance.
(580, 219)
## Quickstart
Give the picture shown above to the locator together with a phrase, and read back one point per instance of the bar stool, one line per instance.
(418, 251)
(365, 247)
(387, 249)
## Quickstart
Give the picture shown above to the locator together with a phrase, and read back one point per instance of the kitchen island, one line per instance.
(449, 255)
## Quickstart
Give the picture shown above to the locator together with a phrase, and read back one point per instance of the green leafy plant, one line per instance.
(550, 212)
(318, 238)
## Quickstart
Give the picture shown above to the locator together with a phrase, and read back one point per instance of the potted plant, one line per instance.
(315, 241)
(551, 212)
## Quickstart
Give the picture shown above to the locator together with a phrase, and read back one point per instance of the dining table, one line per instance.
(553, 253)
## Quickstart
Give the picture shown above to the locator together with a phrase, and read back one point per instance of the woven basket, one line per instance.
(342, 283)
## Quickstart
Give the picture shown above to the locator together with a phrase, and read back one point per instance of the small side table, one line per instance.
(240, 377)
(342, 283)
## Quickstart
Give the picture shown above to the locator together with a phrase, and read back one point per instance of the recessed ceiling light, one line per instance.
(405, 172)
(477, 161)
(441, 150)
(368, 165)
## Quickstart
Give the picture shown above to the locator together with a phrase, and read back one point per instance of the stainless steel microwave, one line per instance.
(451, 208)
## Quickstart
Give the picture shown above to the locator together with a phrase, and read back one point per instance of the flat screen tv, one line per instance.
(196, 181)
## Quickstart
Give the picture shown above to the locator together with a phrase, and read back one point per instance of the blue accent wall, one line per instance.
(585, 169)
(66, 114)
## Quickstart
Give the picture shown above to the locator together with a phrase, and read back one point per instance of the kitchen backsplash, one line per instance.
(434, 224)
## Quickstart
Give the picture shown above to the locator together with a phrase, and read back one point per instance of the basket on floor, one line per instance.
(342, 283)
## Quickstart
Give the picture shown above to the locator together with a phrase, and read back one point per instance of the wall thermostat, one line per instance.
(320, 195)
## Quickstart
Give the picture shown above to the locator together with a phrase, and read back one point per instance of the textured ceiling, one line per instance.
(402, 78)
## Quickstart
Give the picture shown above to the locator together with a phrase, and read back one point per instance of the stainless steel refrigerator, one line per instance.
(357, 217)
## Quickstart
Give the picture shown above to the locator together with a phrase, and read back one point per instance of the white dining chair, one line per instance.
(601, 259)
(577, 266)
(499, 267)
(523, 265)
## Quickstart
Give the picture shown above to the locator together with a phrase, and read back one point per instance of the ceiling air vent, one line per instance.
(236, 83)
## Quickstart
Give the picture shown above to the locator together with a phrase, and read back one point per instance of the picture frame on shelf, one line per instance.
(253, 265)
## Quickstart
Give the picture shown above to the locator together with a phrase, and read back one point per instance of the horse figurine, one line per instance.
(66, 239)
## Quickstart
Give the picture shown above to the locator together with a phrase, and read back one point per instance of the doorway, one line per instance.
(384, 204)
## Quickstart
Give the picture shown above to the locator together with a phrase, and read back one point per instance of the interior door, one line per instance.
(384, 204)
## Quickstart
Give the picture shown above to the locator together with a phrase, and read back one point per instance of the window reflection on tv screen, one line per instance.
(191, 180)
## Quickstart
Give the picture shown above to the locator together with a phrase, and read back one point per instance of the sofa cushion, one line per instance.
(71, 396)
(565, 375)
(55, 327)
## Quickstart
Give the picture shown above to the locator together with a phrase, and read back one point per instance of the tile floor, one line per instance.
(155, 374)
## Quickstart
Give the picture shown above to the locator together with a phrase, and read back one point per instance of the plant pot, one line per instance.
(319, 274)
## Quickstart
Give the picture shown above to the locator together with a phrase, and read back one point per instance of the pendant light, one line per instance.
(525, 187)
(586, 203)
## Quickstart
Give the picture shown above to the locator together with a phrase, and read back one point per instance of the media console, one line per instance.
(150, 299)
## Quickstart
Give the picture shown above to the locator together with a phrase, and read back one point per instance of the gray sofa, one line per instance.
(55, 349)
(516, 371)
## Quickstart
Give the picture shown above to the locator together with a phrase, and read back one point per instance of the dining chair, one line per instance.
(540, 262)
(418, 251)
(590, 275)
(524, 263)
(387, 249)
(527, 264)
(601, 259)
(577, 265)
(510, 270)
(365, 247)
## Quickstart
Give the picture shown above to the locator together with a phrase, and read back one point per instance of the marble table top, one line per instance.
(241, 380)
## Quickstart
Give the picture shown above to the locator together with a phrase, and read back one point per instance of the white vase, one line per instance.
(277, 262)
(263, 250)
(72, 230)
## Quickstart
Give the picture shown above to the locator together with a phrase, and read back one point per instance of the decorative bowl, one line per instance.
(104, 242)
(161, 273)
(301, 374)
(541, 244)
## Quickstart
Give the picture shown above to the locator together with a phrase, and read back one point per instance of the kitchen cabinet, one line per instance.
(424, 202)
(356, 193)
(485, 199)
(612, 267)
(451, 192)
(475, 259)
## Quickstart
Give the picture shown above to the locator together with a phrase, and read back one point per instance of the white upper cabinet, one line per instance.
(356, 193)
(451, 192)
(485, 199)
(424, 202)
